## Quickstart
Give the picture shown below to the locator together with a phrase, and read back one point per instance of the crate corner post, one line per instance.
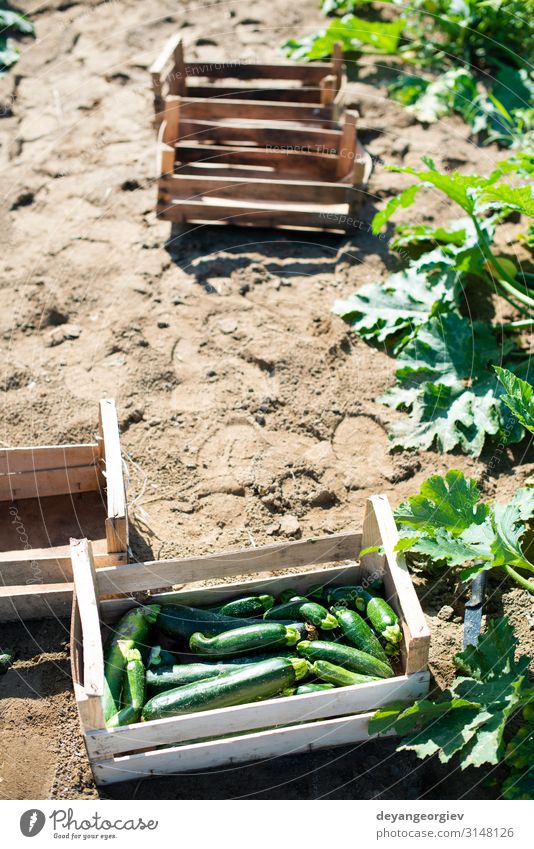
(111, 466)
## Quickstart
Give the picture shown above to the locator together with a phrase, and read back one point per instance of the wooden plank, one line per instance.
(176, 78)
(35, 601)
(299, 138)
(328, 90)
(300, 191)
(316, 165)
(251, 747)
(166, 55)
(304, 94)
(275, 712)
(248, 71)
(46, 457)
(255, 215)
(347, 146)
(171, 120)
(40, 566)
(116, 523)
(46, 482)
(157, 574)
(84, 573)
(379, 529)
(113, 609)
(168, 159)
(220, 109)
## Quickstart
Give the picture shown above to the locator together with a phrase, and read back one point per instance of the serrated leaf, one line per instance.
(518, 397)
(400, 304)
(444, 373)
(516, 198)
(402, 201)
(494, 655)
(416, 236)
(451, 503)
(458, 187)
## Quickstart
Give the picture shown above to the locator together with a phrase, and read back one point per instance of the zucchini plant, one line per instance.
(444, 376)
(464, 63)
(485, 718)
(448, 523)
(12, 24)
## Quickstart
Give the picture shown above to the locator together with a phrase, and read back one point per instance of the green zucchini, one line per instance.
(358, 633)
(6, 660)
(308, 611)
(256, 681)
(304, 689)
(130, 632)
(381, 616)
(244, 608)
(181, 622)
(339, 676)
(266, 635)
(347, 656)
(161, 678)
(134, 691)
(161, 657)
(291, 595)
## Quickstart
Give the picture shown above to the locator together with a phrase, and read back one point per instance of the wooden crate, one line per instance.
(47, 495)
(295, 724)
(261, 155)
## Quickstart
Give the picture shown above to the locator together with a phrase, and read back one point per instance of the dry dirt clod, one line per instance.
(227, 325)
(446, 613)
(289, 526)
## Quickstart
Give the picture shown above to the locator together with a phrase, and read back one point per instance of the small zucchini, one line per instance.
(291, 595)
(130, 632)
(358, 633)
(307, 611)
(338, 676)
(250, 606)
(263, 680)
(381, 616)
(304, 689)
(347, 656)
(265, 635)
(134, 691)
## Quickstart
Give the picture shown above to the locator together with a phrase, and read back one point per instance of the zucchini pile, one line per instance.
(166, 660)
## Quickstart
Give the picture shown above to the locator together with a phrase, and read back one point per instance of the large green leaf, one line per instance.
(401, 303)
(468, 720)
(352, 33)
(446, 385)
(516, 198)
(451, 503)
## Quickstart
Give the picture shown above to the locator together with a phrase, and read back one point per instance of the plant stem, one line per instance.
(519, 579)
(504, 281)
(513, 325)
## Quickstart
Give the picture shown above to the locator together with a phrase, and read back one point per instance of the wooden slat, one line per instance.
(233, 720)
(251, 747)
(84, 573)
(379, 529)
(35, 602)
(300, 191)
(338, 68)
(166, 55)
(316, 165)
(116, 523)
(247, 71)
(308, 94)
(254, 215)
(46, 457)
(49, 565)
(158, 574)
(43, 483)
(205, 109)
(347, 146)
(299, 138)
(171, 119)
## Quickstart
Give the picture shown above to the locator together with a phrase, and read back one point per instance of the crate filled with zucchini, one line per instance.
(178, 681)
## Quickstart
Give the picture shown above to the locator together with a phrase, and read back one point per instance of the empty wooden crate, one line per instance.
(47, 495)
(257, 155)
(289, 724)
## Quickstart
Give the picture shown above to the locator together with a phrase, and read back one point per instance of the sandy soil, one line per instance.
(248, 412)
